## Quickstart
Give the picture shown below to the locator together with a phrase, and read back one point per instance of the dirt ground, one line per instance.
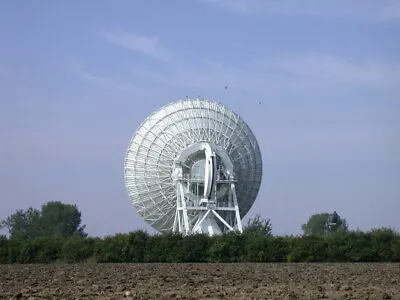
(200, 281)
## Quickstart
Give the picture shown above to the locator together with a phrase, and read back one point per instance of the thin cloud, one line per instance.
(335, 141)
(290, 71)
(307, 70)
(139, 43)
(329, 69)
(102, 81)
(238, 6)
(359, 10)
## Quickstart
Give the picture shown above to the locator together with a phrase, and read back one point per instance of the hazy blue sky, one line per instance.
(78, 77)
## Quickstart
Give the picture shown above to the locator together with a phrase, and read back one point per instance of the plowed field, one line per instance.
(201, 281)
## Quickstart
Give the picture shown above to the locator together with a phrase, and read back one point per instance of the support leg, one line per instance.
(235, 203)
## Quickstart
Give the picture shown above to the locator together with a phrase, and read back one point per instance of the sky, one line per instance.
(77, 78)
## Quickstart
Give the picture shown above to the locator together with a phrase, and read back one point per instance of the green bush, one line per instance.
(378, 245)
(395, 247)
(137, 246)
(194, 249)
(219, 250)
(77, 249)
(358, 247)
(47, 249)
(122, 248)
(336, 247)
(256, 248)
(28, 252)
(382, 240)
(165, 248)
(112, 249)
(4, 245)
(308, 248)
(277, 249)
(229, 247)
(14, 251)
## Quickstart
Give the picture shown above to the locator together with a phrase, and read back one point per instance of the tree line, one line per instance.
(55, 234)
(381, 245)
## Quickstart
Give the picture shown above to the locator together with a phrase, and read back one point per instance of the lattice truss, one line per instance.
(165, 134)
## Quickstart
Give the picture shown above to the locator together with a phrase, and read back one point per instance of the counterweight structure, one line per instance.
(193, 166)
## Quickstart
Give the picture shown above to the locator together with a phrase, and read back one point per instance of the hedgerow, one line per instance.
(378, 245)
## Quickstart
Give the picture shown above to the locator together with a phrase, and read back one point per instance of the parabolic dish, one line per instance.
(165, 134)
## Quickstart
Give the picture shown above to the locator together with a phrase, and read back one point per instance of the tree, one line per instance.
(23, 224)
(324, 223)
(259, 226)
(61, 220)
(55, 219)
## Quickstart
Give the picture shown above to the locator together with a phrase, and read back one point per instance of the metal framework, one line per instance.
(193, 166)
(212, 207)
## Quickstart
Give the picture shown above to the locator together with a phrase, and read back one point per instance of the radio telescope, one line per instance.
(193, 166)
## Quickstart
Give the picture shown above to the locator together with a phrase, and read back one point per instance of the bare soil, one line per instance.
(200, 281)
